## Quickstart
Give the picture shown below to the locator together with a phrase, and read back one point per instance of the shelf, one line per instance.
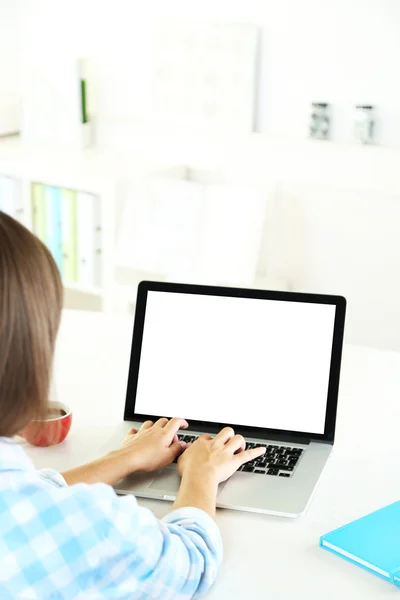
(85, 170)
(76, 287)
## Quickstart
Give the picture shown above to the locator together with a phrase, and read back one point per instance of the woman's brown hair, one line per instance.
(30, 309)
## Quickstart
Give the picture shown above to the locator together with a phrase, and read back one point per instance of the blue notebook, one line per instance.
(372, 542)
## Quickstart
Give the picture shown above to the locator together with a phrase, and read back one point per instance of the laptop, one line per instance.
(266, 363)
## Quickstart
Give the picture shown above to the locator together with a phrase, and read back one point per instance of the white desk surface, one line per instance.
(265, 557)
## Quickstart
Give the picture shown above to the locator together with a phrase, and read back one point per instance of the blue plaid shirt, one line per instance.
(84, 542)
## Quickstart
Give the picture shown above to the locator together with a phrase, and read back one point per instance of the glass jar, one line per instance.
(364, 124)
(320, 121)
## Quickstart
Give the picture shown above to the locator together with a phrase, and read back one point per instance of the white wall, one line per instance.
(337, 51)
(9, 65)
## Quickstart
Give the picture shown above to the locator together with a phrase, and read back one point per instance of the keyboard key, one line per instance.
(283, 467)
(248, 468)
(259, 471)
(284, 474)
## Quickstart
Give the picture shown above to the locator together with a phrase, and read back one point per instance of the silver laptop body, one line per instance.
(266, 363)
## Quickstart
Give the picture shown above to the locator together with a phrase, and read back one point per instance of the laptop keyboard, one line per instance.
(279, 461)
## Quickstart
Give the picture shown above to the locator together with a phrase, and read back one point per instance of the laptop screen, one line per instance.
(248, 361)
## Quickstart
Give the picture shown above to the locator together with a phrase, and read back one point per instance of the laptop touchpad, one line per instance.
(169, 480)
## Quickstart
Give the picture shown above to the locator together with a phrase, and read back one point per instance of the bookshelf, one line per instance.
(92, 176)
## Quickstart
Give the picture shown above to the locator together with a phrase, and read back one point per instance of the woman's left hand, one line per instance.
(154, 446)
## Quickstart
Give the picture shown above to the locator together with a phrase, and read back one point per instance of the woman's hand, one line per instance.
(217, 457)
(155, 445)
(206, 463)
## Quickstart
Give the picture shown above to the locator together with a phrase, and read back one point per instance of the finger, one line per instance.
(205, 436)
(146, 425)
(161, 422)
(132, 431)
(177, 448)
(251, 454)
(224, 435)
(175, 439)
(237, 443)
(173, 426)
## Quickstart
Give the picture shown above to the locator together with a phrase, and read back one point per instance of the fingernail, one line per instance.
(183, 444)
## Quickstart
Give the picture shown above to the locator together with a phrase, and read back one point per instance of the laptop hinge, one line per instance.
(289, 439)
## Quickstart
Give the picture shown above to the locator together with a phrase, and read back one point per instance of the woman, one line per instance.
(68, 535)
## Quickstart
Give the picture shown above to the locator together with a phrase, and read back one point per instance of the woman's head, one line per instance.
(30, 309)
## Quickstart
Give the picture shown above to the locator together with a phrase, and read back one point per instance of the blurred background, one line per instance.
(250, 144)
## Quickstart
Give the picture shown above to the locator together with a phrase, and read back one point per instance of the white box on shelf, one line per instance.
(234, 224)
(159, 230)
(54, 103)
(189, 232)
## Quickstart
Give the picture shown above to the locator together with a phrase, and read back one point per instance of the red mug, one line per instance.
(52, 430)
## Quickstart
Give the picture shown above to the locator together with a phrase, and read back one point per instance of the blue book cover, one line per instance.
(53, 223)
(372, 542)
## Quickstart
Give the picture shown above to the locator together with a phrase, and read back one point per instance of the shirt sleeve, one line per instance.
(53, 477)
(176, 558)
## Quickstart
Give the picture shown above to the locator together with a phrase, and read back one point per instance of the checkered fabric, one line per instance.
(84, 542)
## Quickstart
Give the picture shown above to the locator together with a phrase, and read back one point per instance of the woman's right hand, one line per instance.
(217, 457)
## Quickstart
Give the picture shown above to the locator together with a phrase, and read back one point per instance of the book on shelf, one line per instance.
(39, 211)
(53, 224)
(89, 240)
(69, 236)
(11, 201)
(6, 195)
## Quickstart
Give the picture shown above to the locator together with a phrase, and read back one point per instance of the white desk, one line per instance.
(265, 557)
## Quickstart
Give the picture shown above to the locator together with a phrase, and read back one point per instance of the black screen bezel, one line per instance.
(334, 375)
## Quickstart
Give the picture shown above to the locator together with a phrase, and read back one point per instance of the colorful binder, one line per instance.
(68, 234)
(39, 210)
(372, 542)
(89, 240)
(53, 223)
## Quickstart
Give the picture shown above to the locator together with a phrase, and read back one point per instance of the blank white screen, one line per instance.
(260, 363)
